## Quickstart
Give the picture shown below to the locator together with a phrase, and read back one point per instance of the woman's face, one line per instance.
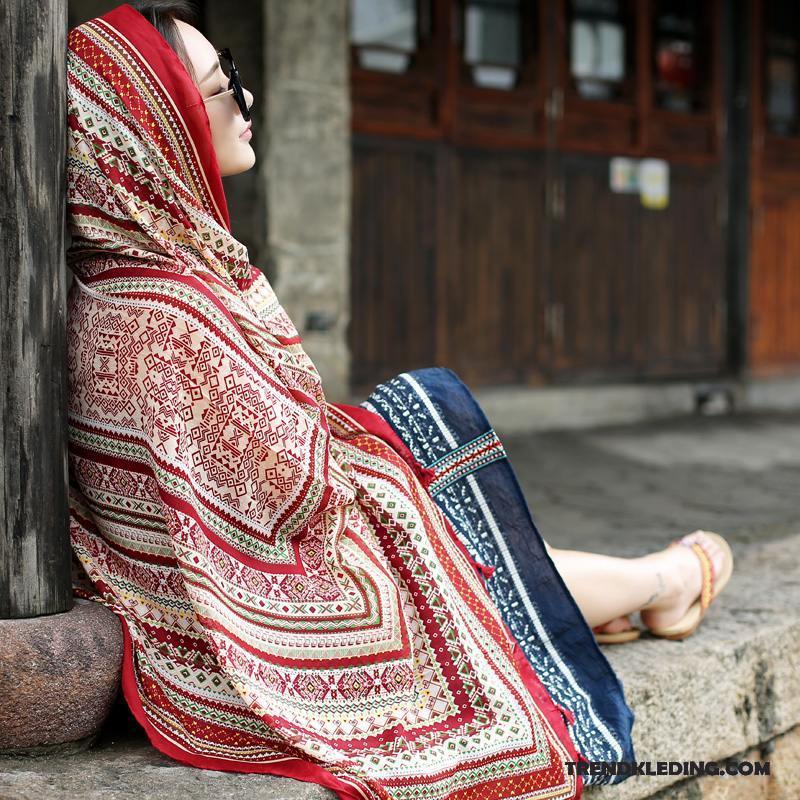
(234, 153)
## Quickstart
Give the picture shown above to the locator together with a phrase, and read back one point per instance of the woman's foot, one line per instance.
(616, 625)
(678, 580)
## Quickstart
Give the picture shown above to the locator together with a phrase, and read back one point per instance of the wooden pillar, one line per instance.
(737, 49)
(34, 542)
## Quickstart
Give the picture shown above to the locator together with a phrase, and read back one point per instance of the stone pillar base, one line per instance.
(59, 676)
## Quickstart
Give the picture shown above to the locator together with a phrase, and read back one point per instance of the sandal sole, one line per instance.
(618, 638)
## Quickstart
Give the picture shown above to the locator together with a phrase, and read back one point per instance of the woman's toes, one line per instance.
(616, 625)
(715, 552)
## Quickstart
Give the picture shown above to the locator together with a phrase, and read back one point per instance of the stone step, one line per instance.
(721, 693)
(123, 765)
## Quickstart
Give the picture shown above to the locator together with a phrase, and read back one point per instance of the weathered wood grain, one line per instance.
(34, 542)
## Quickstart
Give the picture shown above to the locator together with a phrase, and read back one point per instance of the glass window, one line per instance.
(492, 42)
(385, 33)
(597, 48)
(678, 51)
(781, 68)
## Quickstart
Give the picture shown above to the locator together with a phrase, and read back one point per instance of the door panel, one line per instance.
(393, 257)
(594, 280)
(775, 283)
(773, 335)
(493, 275)
(681, 261)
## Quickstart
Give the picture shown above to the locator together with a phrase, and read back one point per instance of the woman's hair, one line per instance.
(161, 14)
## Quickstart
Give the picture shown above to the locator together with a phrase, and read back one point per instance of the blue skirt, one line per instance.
(439, 420)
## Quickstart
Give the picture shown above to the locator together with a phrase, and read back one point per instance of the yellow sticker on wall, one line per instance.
(654, 183)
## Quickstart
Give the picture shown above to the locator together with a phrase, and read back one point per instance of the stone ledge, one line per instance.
(125, 766)
(59, 675)
(778, 393)
(524, 409)
(519, 409)
(783, 782)
(729, 688)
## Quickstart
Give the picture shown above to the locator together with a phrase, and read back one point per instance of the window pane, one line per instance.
(492, 32)
(782, 94)
(385, 32)
(597, 47)
(678, 51)
(782, 54)
(492, 41)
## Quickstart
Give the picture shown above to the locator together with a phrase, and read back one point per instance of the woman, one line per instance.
(354, 596)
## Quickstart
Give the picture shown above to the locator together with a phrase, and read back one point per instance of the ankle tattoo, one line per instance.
(658, 592)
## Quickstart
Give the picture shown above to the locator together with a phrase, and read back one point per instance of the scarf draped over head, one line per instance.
(149, 176)
(293, 601)
(143, 185)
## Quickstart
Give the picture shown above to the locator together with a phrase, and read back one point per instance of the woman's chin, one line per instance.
(245, 159)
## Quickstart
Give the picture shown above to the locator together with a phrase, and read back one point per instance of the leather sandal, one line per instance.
(712, 585)
(620, 637)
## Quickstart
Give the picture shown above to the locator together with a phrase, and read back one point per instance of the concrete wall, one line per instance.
(242, 32)
(307, 175)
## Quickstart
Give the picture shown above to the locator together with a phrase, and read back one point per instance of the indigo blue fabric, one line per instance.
(437, 417)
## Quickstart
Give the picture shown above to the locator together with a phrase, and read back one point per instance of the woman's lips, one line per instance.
(247, 134)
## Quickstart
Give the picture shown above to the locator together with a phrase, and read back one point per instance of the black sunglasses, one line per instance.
(234, 82)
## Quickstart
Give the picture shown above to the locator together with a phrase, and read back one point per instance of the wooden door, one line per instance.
(393, 252)
(774, 278)
(637, 292)
(593, 317)
(683, 278)
(485, 235)
(775, 283)
(447, 237)
(492, 288)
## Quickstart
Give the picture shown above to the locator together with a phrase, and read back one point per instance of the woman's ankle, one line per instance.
(679, 573)
(668, 581)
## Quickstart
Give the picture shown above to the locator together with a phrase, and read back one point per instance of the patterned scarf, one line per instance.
(292, 600)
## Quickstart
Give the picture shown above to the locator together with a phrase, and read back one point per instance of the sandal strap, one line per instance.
(707, 588)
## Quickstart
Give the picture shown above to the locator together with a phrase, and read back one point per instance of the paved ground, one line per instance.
(627, 490)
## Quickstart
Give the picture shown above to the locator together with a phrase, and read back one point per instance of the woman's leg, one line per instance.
(615, 625)
(661, 585)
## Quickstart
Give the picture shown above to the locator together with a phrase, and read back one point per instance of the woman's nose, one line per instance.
(248, 97)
